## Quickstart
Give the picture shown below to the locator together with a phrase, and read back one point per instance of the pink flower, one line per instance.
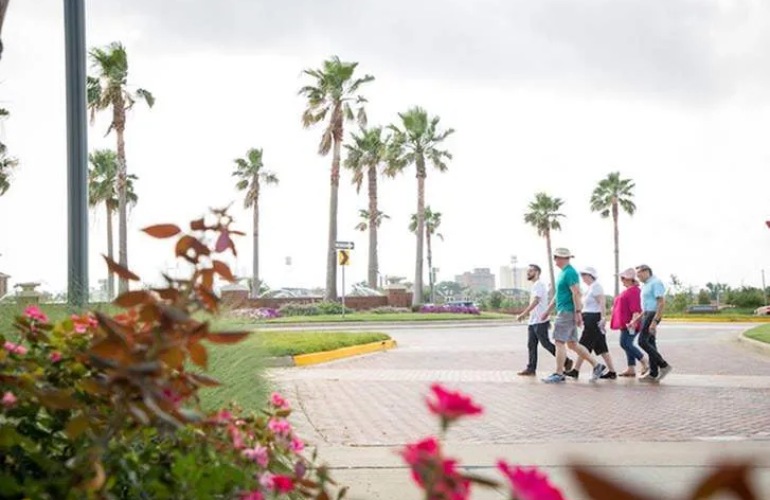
(420, 451)
(236, 437)
(278, 401)
(83, 323)
(451, 405)
(258, 454)
(252, 495)
(17, 349)
(55, 357)
(282, 484)
(279, 426)
(172, 396)
(438, 475)
(529, 483)
(34, 313)
(296, 445)
(9, 400)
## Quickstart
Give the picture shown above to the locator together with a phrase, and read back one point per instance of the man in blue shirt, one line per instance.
(569, 318)
(653, 301)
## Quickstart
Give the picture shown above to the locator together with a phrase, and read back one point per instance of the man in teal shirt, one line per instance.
(568, 304)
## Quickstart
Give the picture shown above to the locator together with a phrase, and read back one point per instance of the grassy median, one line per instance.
(760, 333)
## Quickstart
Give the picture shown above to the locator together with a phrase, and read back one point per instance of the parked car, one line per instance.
(762, 311)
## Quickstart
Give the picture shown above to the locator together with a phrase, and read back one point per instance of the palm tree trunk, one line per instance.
(255, 257)
(331, 254)
(430, 265)
(110, 254)
(119, 117)
(417, 296)
(550, 263)
(617, 246)
(373, 215)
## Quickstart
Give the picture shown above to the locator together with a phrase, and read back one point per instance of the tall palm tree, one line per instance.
(102, 188)
(366, 219)
(333, 95)
(110, 89)
(252, 175)
(7, 164)
(610, 196)
(3, 8)
(370, 150)
(544, 216)
(417, 141)
(432, 222)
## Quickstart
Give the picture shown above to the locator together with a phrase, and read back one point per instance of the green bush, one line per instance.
(332, 308)
(389, 310)
(293, 309)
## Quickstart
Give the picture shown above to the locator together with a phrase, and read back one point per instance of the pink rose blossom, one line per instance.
(296, 444)
(279, 426)
(279, 401)
(237, 438)
(55, 357)
(282, 484)
(258, 454)
(15, 348)
(9, 400)
(34, 313)
(451, 405)
(529, 483)
(252, 495)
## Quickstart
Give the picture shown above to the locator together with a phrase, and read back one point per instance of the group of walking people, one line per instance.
(635, 312)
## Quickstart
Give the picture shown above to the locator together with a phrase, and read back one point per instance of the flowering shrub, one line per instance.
(259, 313)
(389, 310)
(440, 476)
(107, 407)
(449, 308)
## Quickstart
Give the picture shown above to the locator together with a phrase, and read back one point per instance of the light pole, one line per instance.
(77, 152)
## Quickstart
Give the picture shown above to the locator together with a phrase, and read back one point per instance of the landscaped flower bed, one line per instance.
(445, 308)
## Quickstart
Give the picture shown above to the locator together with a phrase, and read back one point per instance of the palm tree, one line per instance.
(432, 222)
(333, 95)
(544, 216)
(610, 196)
(110, 89)
(252, 175)
(369, 152)
(7, 163)
(3, 8)
(415, 142)
(102, 188)
(366, 219)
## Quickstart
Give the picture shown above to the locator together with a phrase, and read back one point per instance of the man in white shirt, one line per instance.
(538, 328)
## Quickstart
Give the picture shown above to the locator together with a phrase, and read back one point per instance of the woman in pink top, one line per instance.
(623, 309)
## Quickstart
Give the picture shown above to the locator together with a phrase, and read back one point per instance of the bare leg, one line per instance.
(582, 353)
(561, 356)
(608, 361)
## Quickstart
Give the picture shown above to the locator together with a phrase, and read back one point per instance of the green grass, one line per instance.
(240, 366)
(359, 317)
(760, 333)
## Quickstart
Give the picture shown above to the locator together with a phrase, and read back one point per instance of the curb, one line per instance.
(756, 345)
(326, 356)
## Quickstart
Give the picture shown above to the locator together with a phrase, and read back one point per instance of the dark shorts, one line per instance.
(592, 338)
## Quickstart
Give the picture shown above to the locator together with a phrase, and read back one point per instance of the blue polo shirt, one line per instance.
(652, 289)
(567, 278)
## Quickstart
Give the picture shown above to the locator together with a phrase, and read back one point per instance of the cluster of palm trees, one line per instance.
(333, 99)
(7, 162)
(611, 195)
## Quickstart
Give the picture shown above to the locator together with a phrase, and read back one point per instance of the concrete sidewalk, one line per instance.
(657, 469)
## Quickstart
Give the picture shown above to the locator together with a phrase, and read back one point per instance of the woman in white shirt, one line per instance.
(594, 320)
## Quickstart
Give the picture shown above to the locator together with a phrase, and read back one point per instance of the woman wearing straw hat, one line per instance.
(593, 337)
(626, 304)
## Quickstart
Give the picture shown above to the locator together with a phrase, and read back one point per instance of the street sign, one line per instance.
(344, 245)
(343, 257)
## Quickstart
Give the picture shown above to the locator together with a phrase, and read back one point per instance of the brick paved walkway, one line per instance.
(719, 391)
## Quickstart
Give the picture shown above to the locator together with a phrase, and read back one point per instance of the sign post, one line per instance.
(343, 259)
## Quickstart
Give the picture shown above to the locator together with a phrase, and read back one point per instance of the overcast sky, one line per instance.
(545, 95)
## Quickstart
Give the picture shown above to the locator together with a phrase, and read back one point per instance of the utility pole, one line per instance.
(77, 152)
(764, 287)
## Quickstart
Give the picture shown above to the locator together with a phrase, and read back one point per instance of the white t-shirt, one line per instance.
(591, 298)
(539, 290)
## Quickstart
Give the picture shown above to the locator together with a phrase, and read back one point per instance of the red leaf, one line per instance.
(132, 299)
(162, 230)
(223, 270)
(184, 244)
(599, 488)
(227, 337)
(198, 354)
(198, 225)
(120, 270)
(223, 242)
(728, 477)
(204, 380)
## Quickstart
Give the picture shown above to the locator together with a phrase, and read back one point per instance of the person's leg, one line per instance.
(587, 340)
(648, 345)
(627, 343)
(541, 331)
(561, 356)
(532, 348)
(601, 349)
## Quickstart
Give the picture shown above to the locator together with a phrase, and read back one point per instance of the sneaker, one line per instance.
(649, 379)
(568, 364)
(610, 376)
(664, 371)
(527, 373)
(554, 378)
(599, 370)
(572, 374)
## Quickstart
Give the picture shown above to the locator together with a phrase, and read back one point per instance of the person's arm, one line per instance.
(549, 309)
(576, 300)
(603, 308)
(532, 304)
(660, 300)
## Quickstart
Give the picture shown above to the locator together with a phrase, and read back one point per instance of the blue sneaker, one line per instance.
(599, 370)
(554, 378)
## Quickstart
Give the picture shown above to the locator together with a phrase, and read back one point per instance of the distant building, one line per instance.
(479, 280)
(514, 277)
